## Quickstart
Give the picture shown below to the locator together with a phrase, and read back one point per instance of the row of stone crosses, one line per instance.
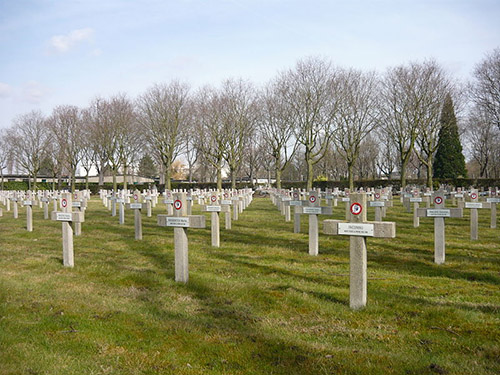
(179, 206)
(358, 228)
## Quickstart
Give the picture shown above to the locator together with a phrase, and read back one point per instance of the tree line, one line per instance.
(312, 121)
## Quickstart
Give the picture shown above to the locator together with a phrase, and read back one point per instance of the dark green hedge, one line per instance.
(94, 187)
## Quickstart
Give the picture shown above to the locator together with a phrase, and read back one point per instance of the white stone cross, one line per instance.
(296, 202)
(380, 204)
(439, 213)
(226, 203)
(493, 199)
(29, 202)
(137, 206)
(416, 199)
(358, 229)
(473, 205)
(215, 209)
(67, 217)
(313, 208)
(79, 204)
(181, 222)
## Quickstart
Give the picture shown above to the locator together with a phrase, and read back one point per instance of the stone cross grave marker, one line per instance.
(66, 216)
(169, 202)
(347, 200)
(313, 208)
(137, 206)
(78, 204)
(474, 205)
(215, 209)
(358, 228)
(14, 200)
(296, 202)
(416, 199)
(439, 213)
(181, 222)
(29, 202)
(226, 204)
(379, 203)
(493, 199)
(149, 203)
(45, 204)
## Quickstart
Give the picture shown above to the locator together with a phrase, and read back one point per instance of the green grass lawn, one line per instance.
(259, 304)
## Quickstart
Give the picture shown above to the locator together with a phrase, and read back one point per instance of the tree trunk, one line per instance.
(168, 176)
(87, 181)
(115, 185)
(73, 179)
(310, 174)
(278, 178)
(101, 176)
(233, 178)
(428, 166)
(125, 170)
(404, 163)
(350, 175)
(219, 178)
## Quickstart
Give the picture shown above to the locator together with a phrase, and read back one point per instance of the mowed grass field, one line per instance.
(259, 304)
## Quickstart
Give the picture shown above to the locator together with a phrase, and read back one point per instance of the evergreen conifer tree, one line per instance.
(449, 161)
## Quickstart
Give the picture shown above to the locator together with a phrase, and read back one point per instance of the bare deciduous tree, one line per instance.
(277, 128)
(66, 128)
(356, 116)
(485, 90)
(238, 115)
(310, 93)
(412, 100)
(212, 141)
(29, 143)
(483, 138)
(164, 113)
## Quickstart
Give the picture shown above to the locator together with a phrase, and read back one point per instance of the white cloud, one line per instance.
(5, 90)
(63, 43)
(33, 92)
(96, 52)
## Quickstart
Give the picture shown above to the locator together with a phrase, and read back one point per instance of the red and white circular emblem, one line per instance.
(177, 204)
(136, 198)
(438, 200)
(377, 195)
(473, 196)
(312, 198)
(64, 203)
(296, 196)
(213, 198)
(356, 208)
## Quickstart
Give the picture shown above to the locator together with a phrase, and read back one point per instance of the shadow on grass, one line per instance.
(392, 262)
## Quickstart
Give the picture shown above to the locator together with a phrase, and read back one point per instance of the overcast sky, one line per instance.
(55, 52)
